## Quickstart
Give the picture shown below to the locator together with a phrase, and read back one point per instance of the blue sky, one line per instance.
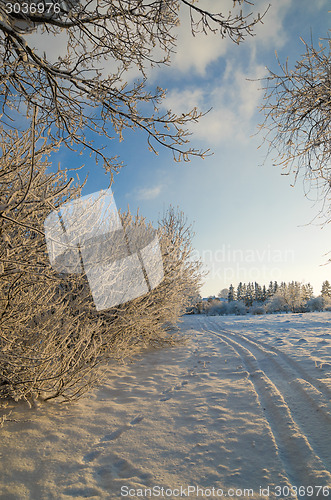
(249, 223)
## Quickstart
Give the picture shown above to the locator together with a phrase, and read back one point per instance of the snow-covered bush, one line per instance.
(286, 297)
(257, 309)
(217, 308)
(52, 338)
(315, 304)
(236, 307)
(327, 303)
(276, 303)
(221, 308)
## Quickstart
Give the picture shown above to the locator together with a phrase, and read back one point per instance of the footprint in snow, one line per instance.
(137, 419)
(167, 392)
(118, 432)
(115, 434)
(89, 457)
(166, 398)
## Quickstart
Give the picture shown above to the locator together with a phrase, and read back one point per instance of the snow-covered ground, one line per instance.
(242, 408)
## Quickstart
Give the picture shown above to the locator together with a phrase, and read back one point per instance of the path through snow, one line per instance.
(241, 406)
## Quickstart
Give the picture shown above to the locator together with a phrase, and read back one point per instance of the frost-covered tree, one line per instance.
(276, 303)
(315, 304)
(223, 294)
(84, 92)
(51, 337)
(297, 109)
(294, 296)
(289, 297)
(307, 291)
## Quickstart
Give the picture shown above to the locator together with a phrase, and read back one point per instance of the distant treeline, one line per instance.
(256, 299)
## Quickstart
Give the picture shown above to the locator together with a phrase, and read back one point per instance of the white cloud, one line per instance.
(234, 101)
(184, 100)
(271, 33)
(191, 53)
(148, 193)
(196, 53)
(234, 97)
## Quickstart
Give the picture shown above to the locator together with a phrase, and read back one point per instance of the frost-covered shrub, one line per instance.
(52, 338)
(257, 309)
(315, 304)
(213, 309)
(217, 308)
(236, 307)
(327, 303)
(221, 308)
(276, 303)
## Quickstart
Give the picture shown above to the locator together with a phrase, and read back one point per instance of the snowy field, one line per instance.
(242, 408)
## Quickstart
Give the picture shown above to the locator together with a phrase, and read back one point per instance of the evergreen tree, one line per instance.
(257, 292)
(326, 289)
(307, 291)
(264, 294)
(249, 295)
(270, 290)
(240, 291)
(231, 294)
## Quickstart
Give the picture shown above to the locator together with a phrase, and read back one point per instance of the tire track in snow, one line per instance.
(319, 385)
(316, 393)
(281, 392)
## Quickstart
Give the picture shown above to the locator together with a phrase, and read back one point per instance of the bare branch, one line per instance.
(297, 124)
(74, 95)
